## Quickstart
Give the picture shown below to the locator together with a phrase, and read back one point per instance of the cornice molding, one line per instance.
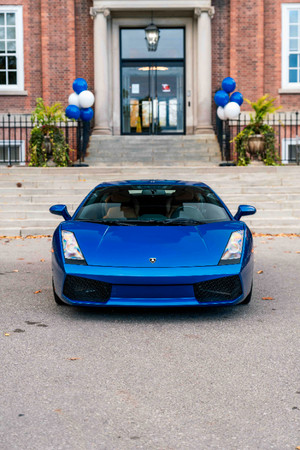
(153, 5)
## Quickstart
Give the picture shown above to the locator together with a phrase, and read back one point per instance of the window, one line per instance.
(289, 149)
(11, 48)
(153, 204)
(12, 152)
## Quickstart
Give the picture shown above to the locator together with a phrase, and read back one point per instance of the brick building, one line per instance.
(46, 44)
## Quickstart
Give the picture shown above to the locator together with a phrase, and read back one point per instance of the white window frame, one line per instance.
(18, 143)
(18, 10)
(285, 142)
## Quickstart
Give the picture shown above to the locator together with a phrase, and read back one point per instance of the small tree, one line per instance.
(262, 107)
(46, 138)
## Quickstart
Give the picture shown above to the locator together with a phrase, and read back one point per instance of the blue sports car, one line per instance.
(152, 243)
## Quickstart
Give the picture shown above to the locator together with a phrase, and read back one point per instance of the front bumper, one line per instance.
(153, 287)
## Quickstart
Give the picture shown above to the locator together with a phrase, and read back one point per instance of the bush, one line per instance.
(46, 138)
(263, 106)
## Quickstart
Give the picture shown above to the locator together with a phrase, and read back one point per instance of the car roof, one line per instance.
(153, 182)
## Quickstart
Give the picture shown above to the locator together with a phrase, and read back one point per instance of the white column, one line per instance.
(204, 64)
(102, 123)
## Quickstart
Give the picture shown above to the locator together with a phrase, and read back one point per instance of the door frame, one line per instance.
(153, 61)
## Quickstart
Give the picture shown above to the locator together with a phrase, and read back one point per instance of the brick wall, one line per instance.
(247, 46)
(58, 47)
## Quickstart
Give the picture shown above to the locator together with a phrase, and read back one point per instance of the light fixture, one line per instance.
(147, 68)
(152, 37)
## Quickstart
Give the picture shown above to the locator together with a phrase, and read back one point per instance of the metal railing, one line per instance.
(287, 134)
(15, 132)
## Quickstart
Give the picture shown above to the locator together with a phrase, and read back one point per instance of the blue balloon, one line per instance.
(80, 85)
(72, 112)
(221, 98)
(237, 98)
(86, 114)
(228, 84)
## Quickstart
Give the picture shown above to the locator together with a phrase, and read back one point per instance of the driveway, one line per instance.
(225, 378)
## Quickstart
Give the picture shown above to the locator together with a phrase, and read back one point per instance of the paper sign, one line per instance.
(166, 88)
(135, 89)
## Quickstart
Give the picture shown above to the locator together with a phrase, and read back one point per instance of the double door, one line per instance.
(152, 97)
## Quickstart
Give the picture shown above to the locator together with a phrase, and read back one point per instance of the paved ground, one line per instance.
(227, 378)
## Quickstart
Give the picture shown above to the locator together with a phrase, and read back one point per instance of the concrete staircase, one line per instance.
(141, 151)
(27, 193)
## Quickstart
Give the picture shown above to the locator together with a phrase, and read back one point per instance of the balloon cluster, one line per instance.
(80, 102)
(228, 107)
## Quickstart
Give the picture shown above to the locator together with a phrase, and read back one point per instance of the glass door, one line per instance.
(153, 97)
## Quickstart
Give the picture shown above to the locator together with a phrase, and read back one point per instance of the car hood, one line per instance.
(171, 246)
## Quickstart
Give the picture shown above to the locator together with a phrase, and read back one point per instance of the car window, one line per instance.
(153, 204)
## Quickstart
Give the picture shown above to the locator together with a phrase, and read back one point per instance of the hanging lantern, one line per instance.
(152, 37)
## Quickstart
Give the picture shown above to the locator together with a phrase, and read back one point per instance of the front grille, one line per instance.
(86, 290)
(218, 289)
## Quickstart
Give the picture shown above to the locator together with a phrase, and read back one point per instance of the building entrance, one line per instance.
(152, 99)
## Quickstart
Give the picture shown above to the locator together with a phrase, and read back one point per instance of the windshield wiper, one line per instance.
(108, 222)
(177, 221)
(182, 221)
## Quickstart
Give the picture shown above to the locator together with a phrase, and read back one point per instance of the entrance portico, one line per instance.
(194, 17)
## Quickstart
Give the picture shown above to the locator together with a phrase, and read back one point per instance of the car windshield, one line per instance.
(152, 205)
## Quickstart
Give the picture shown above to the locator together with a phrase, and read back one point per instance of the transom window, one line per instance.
(291, 45)
(11, 48)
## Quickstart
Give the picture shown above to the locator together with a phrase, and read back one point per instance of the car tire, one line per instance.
(58, 301)
(248, 298)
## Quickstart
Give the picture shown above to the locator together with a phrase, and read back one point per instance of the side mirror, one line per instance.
(244, 210)
(60, 210)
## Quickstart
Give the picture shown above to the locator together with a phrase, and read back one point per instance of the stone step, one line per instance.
(31, 207)
(153, 150)
(270, 186)
(272, 228)
(281, 202)
(26, 231)
(45, 214)
(50, 222)
(232, 205)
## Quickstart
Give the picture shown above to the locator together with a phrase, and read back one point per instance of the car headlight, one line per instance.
(71, 248)
(233, 251)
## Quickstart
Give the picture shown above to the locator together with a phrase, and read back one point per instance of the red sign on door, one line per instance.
(166, 88)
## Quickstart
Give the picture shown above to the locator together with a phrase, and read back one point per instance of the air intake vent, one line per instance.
(219, 289)
(86, 290)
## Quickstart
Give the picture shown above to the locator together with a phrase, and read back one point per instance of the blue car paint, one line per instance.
(141, 283)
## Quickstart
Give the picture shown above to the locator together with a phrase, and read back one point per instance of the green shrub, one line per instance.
(46, 132)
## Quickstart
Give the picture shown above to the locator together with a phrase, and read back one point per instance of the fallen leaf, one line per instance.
(73, 359)
(20, 259)
(6, 334)
(267, 298)
(260, 271)
(16, 270)
(57, 410)
(42, 260)
(298, 448)
(298, 252)
(37, 292)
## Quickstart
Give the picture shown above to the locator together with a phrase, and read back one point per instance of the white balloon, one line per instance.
(74, 99)
(221, 113)
(86, 99)
(232, 110)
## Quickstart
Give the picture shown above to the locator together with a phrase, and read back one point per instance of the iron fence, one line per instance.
(287, 134)
(15, 132)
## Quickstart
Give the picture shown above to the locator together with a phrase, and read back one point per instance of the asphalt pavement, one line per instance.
(224, 378)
